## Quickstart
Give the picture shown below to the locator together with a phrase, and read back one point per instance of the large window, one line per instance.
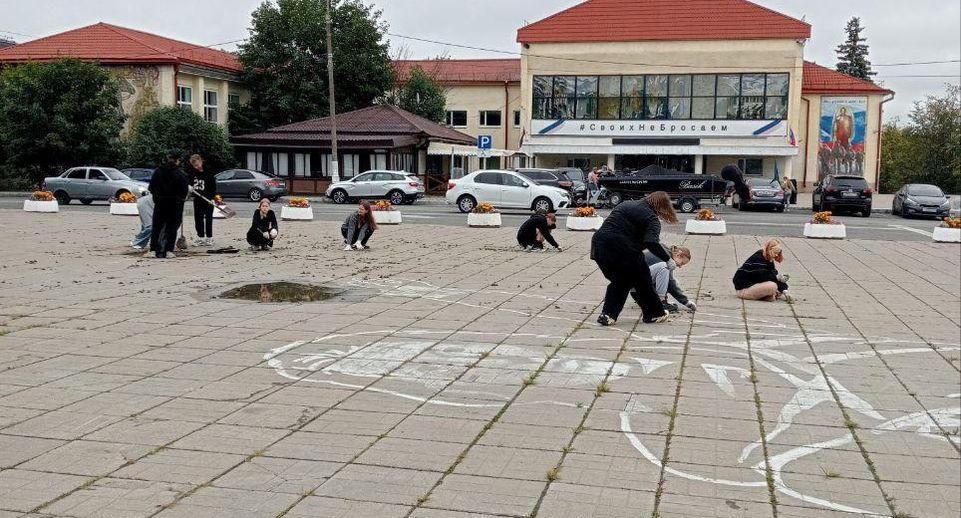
(210, 106)
(457, 119)
(652, 97)
(185, 97)
(490, 118)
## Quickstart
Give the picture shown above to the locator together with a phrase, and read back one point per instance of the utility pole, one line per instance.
(334, 166)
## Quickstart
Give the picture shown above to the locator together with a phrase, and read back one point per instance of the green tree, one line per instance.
(179, 129)
(853, 53)
(928, 148)
(422, 95)
(285, 59)
(56, 115)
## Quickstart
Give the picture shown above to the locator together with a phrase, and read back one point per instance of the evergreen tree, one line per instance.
(853, 53)
(421, 95)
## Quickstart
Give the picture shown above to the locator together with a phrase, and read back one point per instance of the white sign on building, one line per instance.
(660, 128)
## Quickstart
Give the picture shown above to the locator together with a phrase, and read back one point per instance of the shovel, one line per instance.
(225, 210)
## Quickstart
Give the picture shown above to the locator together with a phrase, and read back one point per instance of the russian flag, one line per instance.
(791, 138)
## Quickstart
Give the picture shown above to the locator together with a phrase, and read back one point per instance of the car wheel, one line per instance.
(741, 206)
(687, 205)
(86, 201)
(466, 203)
(735, 201)
(273, 198)
(255, 194)
(542, 206)
(779, 208)
(815, 206)
(339, 196)
(616, 199)
(396, 197)
(894, 209)
(62, 197)
(866, 213)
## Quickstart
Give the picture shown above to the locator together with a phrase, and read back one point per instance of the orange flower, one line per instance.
(584, 212)
(219, 200)
(382, 205)
(301, 203)
(952, 222)
(43, 196)
(824, 218)
(484, 208)
(127, 197)
(705, 215)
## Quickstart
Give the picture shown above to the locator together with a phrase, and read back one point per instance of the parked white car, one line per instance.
(504, 189)
(397, 186)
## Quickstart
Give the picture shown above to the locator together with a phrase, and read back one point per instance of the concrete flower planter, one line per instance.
(581, 224)
(824, 231)
(218, 214)
(387, 217)
(124, 209)
(41, 206)
(296, 213)
(947, 235)
(489, 220)
(712, 228)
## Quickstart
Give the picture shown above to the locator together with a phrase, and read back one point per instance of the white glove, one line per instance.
(691, 306)
(348, 248)
(273, 233)
(266, 235)
(358, 246)
(671, 265)
(784, 277)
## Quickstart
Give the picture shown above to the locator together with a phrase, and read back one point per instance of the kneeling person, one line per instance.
(662, 276)
(263, 228)
(358, 227)
(536, 230)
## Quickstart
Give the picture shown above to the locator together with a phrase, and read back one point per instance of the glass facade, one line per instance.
(662, 97)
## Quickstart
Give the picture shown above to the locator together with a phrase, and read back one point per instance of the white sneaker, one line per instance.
(171, 255)
(137, 247)
(348, 248)
(198, 242)
(209, 241)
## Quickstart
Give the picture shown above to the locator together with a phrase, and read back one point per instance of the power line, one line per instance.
(908, 63)
(955, 76)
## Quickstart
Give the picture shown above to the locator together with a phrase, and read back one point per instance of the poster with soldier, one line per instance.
(843, 127)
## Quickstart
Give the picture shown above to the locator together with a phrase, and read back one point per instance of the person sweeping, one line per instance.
(203, 182)
(618, 249)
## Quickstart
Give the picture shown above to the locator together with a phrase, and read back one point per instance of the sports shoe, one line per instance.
(137, 247)
(348, 248)
(171, 255)
(605, 320)
(670, 307)
(658, 320)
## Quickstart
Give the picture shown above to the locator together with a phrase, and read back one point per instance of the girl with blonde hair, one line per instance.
(758, 278)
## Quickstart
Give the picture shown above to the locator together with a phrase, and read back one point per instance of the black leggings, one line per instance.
(167, 218)
(256, 238)
(357, 235)
(627, 273)
(203, 218)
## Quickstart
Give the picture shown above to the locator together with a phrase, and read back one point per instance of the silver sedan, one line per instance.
(92, 183)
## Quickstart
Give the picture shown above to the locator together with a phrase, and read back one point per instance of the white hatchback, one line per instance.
(504, 189)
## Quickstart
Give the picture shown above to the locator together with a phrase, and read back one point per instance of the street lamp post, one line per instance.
(334, 165)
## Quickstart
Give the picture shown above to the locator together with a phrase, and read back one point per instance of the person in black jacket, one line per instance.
(358, 227)
(618, 248)
(733, 174)
(169, 188)
(263, 228)
(536, 230)
(758, 278)
(204, 183)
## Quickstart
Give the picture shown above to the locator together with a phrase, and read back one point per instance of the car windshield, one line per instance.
(762, 182)
(114, 174)
(851, 183)
(924, 190)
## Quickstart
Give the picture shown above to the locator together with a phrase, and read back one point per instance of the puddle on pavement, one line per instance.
(277, 292)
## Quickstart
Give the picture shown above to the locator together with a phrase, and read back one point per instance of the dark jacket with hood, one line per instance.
(755, 270)
(527, 234)
(631, 228)
(168, 184)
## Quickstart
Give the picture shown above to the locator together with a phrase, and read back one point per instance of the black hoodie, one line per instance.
(168, 184)
(203, 182)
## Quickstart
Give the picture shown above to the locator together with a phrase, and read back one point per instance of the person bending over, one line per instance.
(758, 279)
(536, 230)
(358, 227)
(662, 275)
(263, 228)
(618, 247)
(168, 187)
(145, 210)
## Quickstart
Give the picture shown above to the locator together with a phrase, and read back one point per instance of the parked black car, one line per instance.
(140, 174)
(843, 192)
(765, 193)
(918, 199)
(550, 177)
(687, 190)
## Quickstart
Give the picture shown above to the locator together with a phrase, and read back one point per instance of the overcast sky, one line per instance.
(898, 31)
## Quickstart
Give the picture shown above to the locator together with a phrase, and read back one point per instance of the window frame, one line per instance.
(484, 115)
(450, 118)
(181, 103)
(211, 108)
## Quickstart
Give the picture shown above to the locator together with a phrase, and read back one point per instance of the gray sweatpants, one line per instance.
(661, 277)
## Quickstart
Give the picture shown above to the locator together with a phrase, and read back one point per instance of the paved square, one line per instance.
(453, 377)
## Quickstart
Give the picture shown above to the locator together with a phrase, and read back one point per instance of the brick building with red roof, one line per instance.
(155, 71)
(687, 84)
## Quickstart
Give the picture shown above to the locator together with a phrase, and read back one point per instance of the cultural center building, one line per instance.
(690, 85)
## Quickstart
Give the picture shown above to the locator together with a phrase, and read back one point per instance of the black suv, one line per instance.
(547, 177)
(843, 192)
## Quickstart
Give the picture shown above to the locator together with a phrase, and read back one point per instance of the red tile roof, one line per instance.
(110, 44)
(816, 79)
(379, 123)
(463, 71)
(644, 20)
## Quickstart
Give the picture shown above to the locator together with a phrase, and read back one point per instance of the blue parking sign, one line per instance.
(484, 141)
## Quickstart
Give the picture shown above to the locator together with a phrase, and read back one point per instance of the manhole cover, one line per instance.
(282, 292)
